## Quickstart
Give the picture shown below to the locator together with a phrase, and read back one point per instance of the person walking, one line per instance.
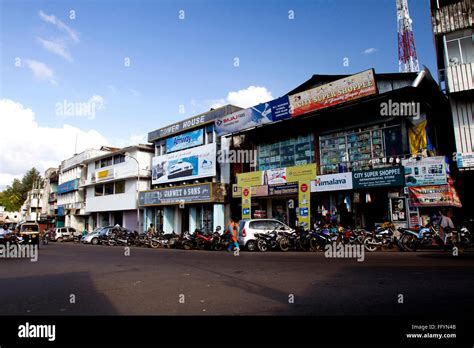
(233, 229)
(151, 231)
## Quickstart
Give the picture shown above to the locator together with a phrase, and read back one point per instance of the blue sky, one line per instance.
(188, 62)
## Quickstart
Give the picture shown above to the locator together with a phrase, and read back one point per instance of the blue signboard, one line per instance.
(60, 210)
(68, 186)
(245, 211)
(280, 108)
(303, 212)
(184, 141)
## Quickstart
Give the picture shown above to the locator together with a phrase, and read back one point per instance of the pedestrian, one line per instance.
(151, 231)
(445, 224)
(233, 229)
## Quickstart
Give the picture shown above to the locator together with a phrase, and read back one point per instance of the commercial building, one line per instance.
(336, 145)
(31, 208)
(189, 185)
(49, 208)
(452, 30)
(112, 183)
(71, 196)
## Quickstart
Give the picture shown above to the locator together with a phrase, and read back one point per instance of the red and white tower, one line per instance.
(407, 58)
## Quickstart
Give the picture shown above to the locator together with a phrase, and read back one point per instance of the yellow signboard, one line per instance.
(299, 173)
(246, 203)
(249, 179)
(304, 203)
(102, 174)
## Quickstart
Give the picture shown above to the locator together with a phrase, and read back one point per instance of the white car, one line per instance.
(93, 237)
(248, 228)
(62, 234)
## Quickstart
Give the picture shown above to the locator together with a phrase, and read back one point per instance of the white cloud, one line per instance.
(25, 143)
(249, 97)
(369, 50)
(73, 35)
(57, 47)
(41, 70)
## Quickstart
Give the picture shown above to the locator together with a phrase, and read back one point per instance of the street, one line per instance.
(74, 279)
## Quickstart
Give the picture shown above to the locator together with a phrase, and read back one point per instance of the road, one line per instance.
(72, 279)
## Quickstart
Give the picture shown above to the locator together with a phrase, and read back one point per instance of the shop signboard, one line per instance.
(197, 162)
(274, 176)
(280, 108)
(332, 182)
(68, 186)
(185, 141)
(246, 203)
(465, 160)
(283, 189)
(176, 195)
(304, 202)
(278, 175)
(427, 171)
(304, 172)
(249, 179)
(398, 209)
(337, 92)
(256, 191)
(244, 119)
(434, 196)
(414, 216)
(103, 175)
(378, 177)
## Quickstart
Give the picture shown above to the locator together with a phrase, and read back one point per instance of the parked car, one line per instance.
(93, 237)
(104, 234)
(63, 234)
(248, 228)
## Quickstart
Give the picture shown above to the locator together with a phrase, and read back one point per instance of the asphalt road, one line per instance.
(72, 279)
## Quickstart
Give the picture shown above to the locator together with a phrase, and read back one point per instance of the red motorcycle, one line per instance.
(206, 240)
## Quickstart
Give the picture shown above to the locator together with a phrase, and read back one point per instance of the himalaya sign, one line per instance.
(332, 182)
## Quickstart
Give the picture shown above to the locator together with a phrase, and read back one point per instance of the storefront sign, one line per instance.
(414, 216)
(278, 176)
(465, 160)
(304, 201)
(256, 191)
(274, 176)
(427, 171)
(246, 203)
(280, 108)
(283, 189)
(249, 179)
(332, 182)
(244, 119)
(198, 162)
(334, 93)
(434, 196)
(304, 172)
(68, 186)
(398, 209)
(380, 177)
(103, 175)
(176, 195)
(184, 141)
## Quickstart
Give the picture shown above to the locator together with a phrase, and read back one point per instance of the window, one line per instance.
(210, 134)
(105, 162)
(119, 159)
(109, 189)
(120, 187)
(460, 48)
(99, 190)
(97, 164)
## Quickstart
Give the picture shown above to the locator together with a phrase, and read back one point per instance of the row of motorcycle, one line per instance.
(386, 236)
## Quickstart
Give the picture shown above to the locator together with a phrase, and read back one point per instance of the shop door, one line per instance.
(118, 218)
(184, 219)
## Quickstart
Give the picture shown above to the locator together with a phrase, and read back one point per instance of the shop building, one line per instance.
(49, 208)
(112, 184)
(452, 31)
(31, 208)
(71, 196)
(339, 150)
(189, 185)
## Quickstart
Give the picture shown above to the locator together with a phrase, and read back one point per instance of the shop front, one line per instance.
(184, 208)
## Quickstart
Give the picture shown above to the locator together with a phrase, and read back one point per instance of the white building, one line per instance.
(31, 208)
(112, 185)
(71, 196)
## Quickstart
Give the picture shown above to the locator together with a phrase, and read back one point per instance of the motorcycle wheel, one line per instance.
(409, 242)
(154, 244)
(187, 246)
(251, 245)
(314, 244)
(369, 244)
(262, 245)
(201, 245)
(284, 244)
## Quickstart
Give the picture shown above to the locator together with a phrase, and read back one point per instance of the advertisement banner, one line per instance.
(334, 93)
(304, 172)
(398, 209)
(280, 108)
(68, 186)
(184, 141)
(332, 182)
(103, 175)
(255, 191)
(304, 202)
(427, 171)
(244, 119)
(249, 179)
(274, 176)
(246, 203)
(434, 196)
(379, 177)
(176, 195)
(465, 160)
(198, 162)
(283, 189)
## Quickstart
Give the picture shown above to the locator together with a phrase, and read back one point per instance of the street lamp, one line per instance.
(126, 154)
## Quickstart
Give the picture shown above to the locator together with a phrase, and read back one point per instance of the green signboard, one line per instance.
(379, 177)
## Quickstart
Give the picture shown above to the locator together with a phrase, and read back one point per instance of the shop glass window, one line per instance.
(119, 159)
(287, 153)
(120, 187)
(99, 190)
(109, 189)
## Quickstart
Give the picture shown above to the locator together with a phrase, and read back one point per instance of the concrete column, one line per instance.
(177, 226)
(269, 209)
(192, 218)
(168, 219)
(219, 216)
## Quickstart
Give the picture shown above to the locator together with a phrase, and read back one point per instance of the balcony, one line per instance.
(452, 17)
(459, 77)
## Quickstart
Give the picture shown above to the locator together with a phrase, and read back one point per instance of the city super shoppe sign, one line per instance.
(379, 177)
(176, 195)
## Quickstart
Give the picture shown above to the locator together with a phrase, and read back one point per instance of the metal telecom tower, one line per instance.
(407, 58)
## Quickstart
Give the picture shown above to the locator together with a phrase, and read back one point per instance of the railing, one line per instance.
(452, 17)
(459, 77)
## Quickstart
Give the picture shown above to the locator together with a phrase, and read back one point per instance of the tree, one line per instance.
(13, 196)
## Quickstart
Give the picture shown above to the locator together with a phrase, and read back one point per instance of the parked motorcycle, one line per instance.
(267, 241)
(425, 237)
(382, 237)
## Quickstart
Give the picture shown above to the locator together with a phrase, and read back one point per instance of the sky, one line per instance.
(81, 74)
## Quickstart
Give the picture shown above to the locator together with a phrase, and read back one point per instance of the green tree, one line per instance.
(13, 196)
